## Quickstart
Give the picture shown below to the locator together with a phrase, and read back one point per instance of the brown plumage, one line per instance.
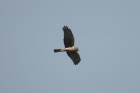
(69, 46)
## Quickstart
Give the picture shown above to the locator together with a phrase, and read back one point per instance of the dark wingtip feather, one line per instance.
(65, 27)
(75, 63)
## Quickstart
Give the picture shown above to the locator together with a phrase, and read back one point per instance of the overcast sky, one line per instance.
(107, 33)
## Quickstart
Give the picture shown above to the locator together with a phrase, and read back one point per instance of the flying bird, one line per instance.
(72, 51)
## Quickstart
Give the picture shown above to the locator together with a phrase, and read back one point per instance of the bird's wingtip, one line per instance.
(65, 27)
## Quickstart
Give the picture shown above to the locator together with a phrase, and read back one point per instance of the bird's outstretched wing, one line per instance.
(74, 56)
(68, 37)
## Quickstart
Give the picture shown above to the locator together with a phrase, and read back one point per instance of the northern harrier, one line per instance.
(69, 46)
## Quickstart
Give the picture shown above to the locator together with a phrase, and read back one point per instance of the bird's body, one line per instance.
(69, 46)
(68, 49)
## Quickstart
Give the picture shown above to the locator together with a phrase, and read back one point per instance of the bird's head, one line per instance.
(75, 48)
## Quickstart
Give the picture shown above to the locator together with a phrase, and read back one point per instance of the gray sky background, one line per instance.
(107, 33)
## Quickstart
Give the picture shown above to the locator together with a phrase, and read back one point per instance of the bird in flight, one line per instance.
(69, 46)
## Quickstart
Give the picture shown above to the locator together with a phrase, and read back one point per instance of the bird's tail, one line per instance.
(57, 50)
